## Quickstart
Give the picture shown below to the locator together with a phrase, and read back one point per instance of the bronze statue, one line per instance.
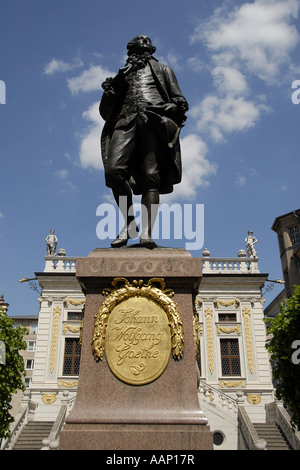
(144, 110)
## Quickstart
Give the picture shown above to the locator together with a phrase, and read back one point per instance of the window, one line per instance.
(227, 316)
(29, 364)
(294, 235)
(218, 438)
(230, 358)
(33, 328)
(31, 346)
(27, 382)
(75, 316)
(72, 357)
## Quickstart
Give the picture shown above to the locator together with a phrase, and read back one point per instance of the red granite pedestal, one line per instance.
(109, 414)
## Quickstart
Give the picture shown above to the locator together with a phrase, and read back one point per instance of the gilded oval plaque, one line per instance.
(138, 341)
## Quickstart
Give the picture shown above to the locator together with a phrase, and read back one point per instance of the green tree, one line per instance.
(11, 368)
(284, 332)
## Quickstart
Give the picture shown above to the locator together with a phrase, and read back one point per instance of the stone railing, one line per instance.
(24, 415)
(276, 413)
(229, 265)
(218, 398)
(60, 264)
(248, 431)
(52, 442)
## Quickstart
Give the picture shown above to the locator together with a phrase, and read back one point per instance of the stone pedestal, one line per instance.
(160, 415)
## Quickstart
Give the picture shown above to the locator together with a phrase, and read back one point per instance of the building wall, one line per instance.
(59, 293)
(287, 228)
(31, 323)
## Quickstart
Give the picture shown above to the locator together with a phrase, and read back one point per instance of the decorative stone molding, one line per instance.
(246, 314)
(210, 344)
(72, 328)
(232, 383)
(228, 329)
(55, 327)
(74, 302)
(65, 383)
(49, 398)
(254, 398)
(227, 303)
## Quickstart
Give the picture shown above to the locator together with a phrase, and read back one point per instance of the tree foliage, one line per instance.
(12, 371)
(284, 346)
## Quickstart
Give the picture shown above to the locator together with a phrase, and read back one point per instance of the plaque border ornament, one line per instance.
(155, 290)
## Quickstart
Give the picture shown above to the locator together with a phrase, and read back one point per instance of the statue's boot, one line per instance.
(150, 201)
(130, 229)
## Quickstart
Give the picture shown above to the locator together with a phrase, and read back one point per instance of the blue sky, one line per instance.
(235, 62)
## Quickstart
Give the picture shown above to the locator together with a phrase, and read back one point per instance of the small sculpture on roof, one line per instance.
(250, 242)
(51, 241)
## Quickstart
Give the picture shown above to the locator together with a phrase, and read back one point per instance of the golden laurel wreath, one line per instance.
(122, 290)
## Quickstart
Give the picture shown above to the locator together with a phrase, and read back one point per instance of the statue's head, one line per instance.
(140, 44)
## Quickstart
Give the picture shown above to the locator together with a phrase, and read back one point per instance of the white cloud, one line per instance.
(58, 65)
(254, 39)
(1, 215)
(220, 115)
(240, 180)
(259, 34)
(89, 152)
(89, 80)
(62, 174)
(196, 168)
(229, 80)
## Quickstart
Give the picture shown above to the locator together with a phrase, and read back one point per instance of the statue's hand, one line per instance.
(170, 108)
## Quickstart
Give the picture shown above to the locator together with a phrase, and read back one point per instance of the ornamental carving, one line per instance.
(72, 328)
(228, 329)
(75, 302)
(55, 327)
(65, 383)
(49, 398)
(254, 398)
(210, 344)
(227, 303)
(232, 383)
(246, 314)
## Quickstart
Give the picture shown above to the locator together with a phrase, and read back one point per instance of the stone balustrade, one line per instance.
(63, 264)
(239, 265)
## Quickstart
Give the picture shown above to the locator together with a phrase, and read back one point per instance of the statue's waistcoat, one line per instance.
(142, 91)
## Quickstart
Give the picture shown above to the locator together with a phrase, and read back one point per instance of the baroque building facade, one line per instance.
(234, 375)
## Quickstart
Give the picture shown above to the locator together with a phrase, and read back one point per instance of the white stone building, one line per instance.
(235, 380)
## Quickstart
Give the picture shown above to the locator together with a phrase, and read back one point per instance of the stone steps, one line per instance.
(32, 435)
(273, 435)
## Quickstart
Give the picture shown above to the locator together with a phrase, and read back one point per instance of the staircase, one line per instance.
(32, 435)
(273, 435)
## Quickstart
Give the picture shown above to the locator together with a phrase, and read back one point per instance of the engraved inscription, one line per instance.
(138, 341)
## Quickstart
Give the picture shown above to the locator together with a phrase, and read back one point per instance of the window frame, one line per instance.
(230, 357)
(73, 356)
